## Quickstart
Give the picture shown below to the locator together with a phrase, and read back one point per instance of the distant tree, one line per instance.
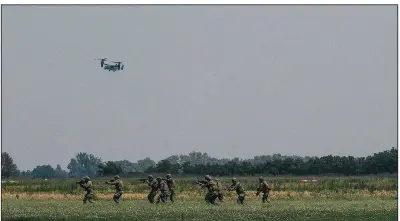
(127, 167)
(164, 166)
(145, 164)
(8, 167)
(26, 173)
(84, 165)
(44, 171)
(112, 168)
(60, 172)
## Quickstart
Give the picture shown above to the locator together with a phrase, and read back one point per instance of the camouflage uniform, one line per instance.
(88, 187)
(171, 187)
(263, 188)
(154, 188)
(211, 185)
(162, 187)
(220, 194)
(118, 187)
(239, 190)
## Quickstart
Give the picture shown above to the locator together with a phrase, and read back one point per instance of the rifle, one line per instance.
(110, 181)
(80, 182)
(199, 182)
(143, 180)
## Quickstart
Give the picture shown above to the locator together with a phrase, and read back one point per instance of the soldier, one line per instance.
(87, 185)
(220, 195)
(153, 188)
(239, 190)
(211, 185)
(263, 188)
(162, 187)
(117, 182)
(171, 187)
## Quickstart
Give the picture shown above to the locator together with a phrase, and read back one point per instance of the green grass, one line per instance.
(198, 210)
(373, 183)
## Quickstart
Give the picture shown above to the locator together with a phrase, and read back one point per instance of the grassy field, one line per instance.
(352, 198)
(197, 210)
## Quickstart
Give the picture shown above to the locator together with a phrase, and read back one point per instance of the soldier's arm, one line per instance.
(112, 182)
(87, 185)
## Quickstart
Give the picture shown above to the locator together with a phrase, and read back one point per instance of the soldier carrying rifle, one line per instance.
(117, 182)
(87, 185)
(153, 184)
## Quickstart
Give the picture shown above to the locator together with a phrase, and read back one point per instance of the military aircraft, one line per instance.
(116, 67)
(110, 67)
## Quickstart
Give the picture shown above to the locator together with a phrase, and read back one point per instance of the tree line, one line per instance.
(197, 163)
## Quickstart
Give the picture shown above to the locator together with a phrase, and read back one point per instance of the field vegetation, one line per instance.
(325, 188)
(292, 198)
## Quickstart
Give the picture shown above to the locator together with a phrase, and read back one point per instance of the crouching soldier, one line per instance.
(211, 186)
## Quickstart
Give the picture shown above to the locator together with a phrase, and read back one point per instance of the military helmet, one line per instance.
(233, 180)
(159, 178)
(150, 177)
(168, 175)
(86, 178)
(207, 177)
(261, 179)
(116, 177)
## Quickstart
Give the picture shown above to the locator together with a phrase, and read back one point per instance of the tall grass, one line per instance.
(68, 186)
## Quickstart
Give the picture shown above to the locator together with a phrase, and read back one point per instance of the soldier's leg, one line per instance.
(241, 198)
(171, 196)
(207, 197)
(164, 196)
(87, 197)
(116, 197)
(90, 197)
(150, 197)
(265, 198)
(84, 199)
(220, 196)
(213, 197)
(158, 198)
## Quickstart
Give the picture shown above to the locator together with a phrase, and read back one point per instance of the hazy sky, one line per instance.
(226, 80)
